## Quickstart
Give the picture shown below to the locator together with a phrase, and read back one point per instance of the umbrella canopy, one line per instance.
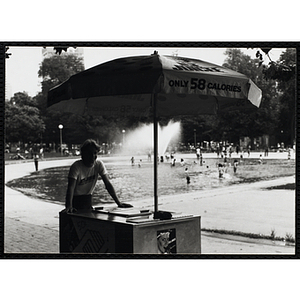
(183, 86)
(163, 85)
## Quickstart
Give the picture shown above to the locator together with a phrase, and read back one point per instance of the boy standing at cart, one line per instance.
(82, 178)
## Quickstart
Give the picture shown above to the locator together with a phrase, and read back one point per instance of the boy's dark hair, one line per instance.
(88, 144)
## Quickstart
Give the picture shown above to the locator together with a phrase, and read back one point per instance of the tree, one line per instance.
(284, 69)
(261, 121)
(22, 99)
(74, 130)
(53, 71)
(283, 72)
(287, 87)
(23, 120)
(103, 129)
(238, 61)
(58, 68)
(195, 127)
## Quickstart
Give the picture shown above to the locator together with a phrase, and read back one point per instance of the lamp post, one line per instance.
(123, 131)
(201, 130)
(195, 138)
(60, 126)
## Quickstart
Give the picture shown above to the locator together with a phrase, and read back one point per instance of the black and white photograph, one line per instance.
(107, 146)
(149, 149)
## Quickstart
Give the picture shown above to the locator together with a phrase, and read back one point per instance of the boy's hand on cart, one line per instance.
(71, 210)
(124, 205)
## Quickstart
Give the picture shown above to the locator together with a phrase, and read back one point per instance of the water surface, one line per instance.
(136, 182)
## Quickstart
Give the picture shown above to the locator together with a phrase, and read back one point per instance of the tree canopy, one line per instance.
(27, 118)
(58, 68)
(233, 125)
(23, 121)
(284, 72)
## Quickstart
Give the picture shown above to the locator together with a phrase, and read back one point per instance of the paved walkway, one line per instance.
(31, 225)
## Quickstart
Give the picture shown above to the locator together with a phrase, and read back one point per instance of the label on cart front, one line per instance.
(166, 241)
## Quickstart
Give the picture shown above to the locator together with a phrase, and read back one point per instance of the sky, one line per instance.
(23, 65)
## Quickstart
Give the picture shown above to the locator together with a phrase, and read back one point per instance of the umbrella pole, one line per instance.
(155, 143)
(162, 215)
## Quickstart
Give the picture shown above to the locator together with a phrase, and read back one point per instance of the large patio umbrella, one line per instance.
(161, 85)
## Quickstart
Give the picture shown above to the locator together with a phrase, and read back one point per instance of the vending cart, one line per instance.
(128, 230)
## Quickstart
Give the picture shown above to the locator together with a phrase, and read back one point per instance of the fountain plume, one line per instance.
(140, 140)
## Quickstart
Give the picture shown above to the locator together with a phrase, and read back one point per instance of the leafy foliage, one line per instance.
(56, 69)
(284, 72)
(21, 99)
(261, 121)
(22, 119)
(27, 118)
(279, 72)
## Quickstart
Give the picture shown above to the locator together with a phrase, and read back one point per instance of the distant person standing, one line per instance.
(249, 150)
(173, 161)
(36, 161)
(167, 155)
(266, 151)
(140, 163)
(198, 152)
(221, 169)
(188, 179)
(230, 151)
(235, 164)
(132, 161)
(149, 155)
(242, 153)
(42, 153)
(201, 159)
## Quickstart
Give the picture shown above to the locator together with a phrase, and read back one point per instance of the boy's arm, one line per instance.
(112, 192)
(70, 194)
